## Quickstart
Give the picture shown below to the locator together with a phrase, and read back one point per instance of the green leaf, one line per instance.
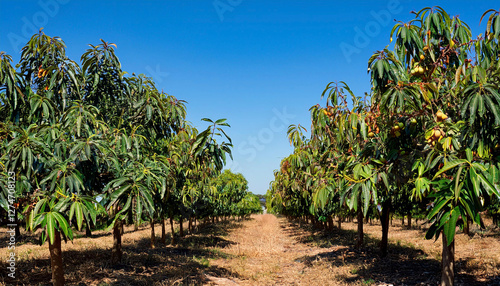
(50, 226)
(490, 188)
(383, 175)
(63, 225)
(79, 214)
(457, 181)
(468, 153)
(432, 231)
(438, 206)
(450, 165)
(450, 227)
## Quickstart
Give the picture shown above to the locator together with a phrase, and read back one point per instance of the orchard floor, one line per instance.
(274, 251)
(263, 250)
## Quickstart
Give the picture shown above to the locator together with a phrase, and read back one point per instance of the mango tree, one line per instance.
(431, 81)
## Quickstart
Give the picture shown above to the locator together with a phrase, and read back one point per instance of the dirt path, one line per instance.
(267, 252)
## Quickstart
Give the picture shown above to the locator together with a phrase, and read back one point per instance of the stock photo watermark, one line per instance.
(249, 148)
(31, 25)
(363, 36)
(157, 75)
(223, 6)
(11, 226)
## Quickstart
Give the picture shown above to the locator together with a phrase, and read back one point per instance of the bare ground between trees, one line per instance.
(264, 250)
(272, 251)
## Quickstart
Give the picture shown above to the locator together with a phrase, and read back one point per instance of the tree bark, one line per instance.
(136, 216)
(448, 262)
(402, 220)
(384, 220)
(330, 222)
(466, 225)
(163, 236)
(116, 253)
(359, 243)
(190, 225)
(172, 241)
(409, 220)
(56, 264)
(181, 228)
(152, 243)
(339, 222)
(88, 230)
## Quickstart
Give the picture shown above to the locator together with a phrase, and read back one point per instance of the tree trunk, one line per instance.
(135, 215)
(181, 228)
(359, 243)
(116, 253)
(317, 223)
(448, 262)
(88, 230)
(339, 222)
(409, 220)
(152, 222)
(467, 223)
(163, 236)
(402, 220)
(122, 230)
(190, 225)
(172, 241)
(213, 220)
(56, 264)
(330, 222)
(384, 220)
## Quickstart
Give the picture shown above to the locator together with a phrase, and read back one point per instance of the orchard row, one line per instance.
(92, 147)
(424, 141)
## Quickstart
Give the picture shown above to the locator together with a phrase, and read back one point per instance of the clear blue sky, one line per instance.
(260, 64)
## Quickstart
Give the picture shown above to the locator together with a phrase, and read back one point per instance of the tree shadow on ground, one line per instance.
(404, 265)
(186, 263)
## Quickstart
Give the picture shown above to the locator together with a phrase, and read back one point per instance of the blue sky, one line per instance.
(260, 64)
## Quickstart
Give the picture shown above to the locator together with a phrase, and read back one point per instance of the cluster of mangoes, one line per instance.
(435, 137)
(42, 72)
(440, 116)
(372, 125)
(437, 134)
(328, 111)
(397, 129)
(417, 70)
